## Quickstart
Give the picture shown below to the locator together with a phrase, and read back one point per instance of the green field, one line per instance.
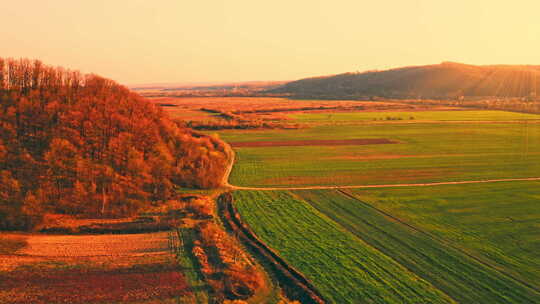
(417, 115)
(466, 256)
(469, 243)
(341, 266)
(498, 222)
(426, 152)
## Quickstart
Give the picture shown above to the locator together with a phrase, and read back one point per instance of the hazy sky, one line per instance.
(152, 41)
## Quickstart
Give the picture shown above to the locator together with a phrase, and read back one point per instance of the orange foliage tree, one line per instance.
(85, 145)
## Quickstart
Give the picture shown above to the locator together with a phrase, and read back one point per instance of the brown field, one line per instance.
(89, 269)
(288, 143)
(96, 245)
(245, 104)
(75, 286)
(273, 108)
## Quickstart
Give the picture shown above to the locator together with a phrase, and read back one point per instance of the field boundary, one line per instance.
(442, 241)
(228, 170)
(225, 182)
(233, 187)
(293, 282)
(315, 142)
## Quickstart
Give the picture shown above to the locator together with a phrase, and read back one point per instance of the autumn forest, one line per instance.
(84, 145)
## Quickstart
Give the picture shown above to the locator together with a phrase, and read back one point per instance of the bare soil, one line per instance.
(90, 269)
(76, 286)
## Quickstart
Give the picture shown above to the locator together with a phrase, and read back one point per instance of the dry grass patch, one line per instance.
(89, 282)
(96, 245)
(91, 269)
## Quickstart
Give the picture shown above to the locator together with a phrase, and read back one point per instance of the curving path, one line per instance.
(228, 170)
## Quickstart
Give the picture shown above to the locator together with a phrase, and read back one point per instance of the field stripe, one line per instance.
(385, 185)
(442, 241)
(367, 241)
(458, 276)
(341, 265)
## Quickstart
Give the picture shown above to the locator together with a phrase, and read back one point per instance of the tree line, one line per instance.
(84, 145)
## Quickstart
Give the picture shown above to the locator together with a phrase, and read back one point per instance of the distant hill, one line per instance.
(440, 81)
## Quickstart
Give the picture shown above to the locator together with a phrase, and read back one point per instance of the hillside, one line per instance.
(87, 146)
(441, 81)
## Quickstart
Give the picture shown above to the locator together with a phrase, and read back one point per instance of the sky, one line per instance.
(184, 41)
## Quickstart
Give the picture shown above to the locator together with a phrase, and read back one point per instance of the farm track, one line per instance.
(226, 184)
(225, 180)
(382, 186)
(441, 241)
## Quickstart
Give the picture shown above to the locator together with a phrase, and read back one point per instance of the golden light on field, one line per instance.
(136, 41)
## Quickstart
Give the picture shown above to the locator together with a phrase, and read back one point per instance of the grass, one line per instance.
(474, 243)
(415, 115)
(457, 274)
(344, 268)
(496, 222)
(426, 153)
(200, 291)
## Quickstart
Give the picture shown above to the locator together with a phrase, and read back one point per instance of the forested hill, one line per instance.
(442, 81)
(85, 145)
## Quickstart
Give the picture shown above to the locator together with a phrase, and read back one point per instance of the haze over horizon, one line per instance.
(166, 41)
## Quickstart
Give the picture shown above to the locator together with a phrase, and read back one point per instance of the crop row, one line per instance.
(342, 267)
(449, 269)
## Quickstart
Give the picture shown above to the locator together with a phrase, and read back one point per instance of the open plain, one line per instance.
(451, 204)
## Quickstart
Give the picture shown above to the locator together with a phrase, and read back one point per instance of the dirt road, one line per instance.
(385, 186)
(225, 181)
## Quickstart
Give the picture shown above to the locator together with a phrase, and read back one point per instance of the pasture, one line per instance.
(342, 267)
(425, 152)
(497, 223)
(465, 243)
(465, 275)
(472, 243)
(460, 247)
